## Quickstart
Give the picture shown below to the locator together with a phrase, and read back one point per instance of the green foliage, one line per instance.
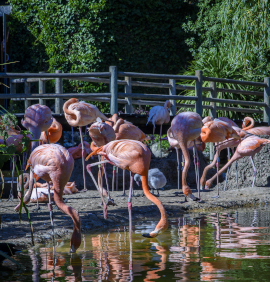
(231, 40)
(89, 36)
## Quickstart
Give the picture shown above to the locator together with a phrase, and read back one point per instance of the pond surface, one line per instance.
(209, 247)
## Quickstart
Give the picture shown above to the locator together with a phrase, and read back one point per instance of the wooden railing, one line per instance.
(114, 97)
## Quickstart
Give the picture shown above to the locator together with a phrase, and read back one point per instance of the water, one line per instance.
(209, 247)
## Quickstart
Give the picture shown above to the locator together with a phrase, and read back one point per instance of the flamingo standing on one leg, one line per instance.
(248, 147)
(159, 115)
(135, 157)
(54, 133)
(79, 113)
(37, 118)
(217, 131)
(186, 127)
(52, 162)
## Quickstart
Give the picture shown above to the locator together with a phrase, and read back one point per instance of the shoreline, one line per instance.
(91, 213)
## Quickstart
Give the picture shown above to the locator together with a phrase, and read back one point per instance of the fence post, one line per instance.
(41, 90)
(27, 90)
(198, 92)
(266, 98)
(58, 90)
(172, 91)
(12, 90)
(213, 94)
(113, 89)
(128, 89)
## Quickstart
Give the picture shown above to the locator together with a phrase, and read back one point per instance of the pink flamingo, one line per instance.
(218, 131)
(248, 147)
(101, 134)
(159, 115)
(78, 113)
(37, 118)
(186, 127)
(52, 162)
(200, 146)
(135, 157)
(260, 130)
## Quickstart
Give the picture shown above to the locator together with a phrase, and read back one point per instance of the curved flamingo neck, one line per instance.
(248, 120)
(67, 104)
(167, 104)
(116, 127)
(55, 127)
(163, 223)
(75, 241)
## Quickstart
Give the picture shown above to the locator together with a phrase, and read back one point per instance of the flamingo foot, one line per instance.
(202, 188)
(123, 195)
(111, 202)
(217, 196)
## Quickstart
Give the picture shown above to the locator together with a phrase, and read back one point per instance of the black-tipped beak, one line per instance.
(147, 235)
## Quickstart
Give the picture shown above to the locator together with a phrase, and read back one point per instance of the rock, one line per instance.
(245, 170)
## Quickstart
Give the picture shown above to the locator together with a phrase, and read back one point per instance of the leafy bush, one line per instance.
(230, 40)
(89, 36)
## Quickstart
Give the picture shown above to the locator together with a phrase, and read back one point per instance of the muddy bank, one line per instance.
(88, 205)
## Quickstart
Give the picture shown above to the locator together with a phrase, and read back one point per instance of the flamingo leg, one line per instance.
(217, 164)
(255, 171)
(51, 213)
(160, 140)
(72, 135)
(228, 170)
(130, 202)
(124, 184)
(178, 169)
(83, 161)
(113, 178)
(198, 169)
(117, 170)
(38, 207)
(110, 200)
(11, 196)
(88, 168)
(236, 172)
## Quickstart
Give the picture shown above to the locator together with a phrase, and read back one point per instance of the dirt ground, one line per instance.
(91, 213)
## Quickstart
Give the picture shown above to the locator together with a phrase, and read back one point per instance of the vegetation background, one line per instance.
(223, 38)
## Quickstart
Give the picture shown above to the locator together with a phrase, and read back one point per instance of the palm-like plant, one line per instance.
(242, 31)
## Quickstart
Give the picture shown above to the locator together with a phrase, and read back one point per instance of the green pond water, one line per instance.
(227, 246)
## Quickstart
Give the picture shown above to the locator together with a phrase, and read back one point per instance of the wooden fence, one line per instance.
(114, 97)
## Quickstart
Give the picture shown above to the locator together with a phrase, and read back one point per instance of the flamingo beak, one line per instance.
(138, 183)
(72, 249)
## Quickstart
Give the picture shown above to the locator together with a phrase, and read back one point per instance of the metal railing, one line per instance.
(114, 97)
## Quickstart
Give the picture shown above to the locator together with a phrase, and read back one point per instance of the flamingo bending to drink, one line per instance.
(53, 162)
(248, 147)
(135, 157)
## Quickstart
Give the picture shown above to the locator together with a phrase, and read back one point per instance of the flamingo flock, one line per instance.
(120, 143)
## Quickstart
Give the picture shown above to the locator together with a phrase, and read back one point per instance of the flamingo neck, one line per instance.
(163, 223)
(249, 120)
(185, 152)
(117, 125)
(75, 240)
(67, 104)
